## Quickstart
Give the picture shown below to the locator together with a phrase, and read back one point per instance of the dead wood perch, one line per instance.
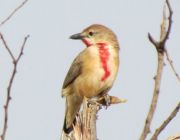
(85, 127)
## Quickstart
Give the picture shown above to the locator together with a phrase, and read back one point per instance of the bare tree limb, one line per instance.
(160, 47)
(166, 122)
(8, 98)
(13, 12)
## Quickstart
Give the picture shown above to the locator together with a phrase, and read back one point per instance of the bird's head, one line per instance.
(96, 34)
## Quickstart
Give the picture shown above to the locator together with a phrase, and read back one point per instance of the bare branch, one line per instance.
(171, 64)
(160, 47)
(13, 12)
(166, 122)
(15, 63)
(8, 98)
(154, 101)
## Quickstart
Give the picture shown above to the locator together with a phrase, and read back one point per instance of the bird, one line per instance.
(92, 72)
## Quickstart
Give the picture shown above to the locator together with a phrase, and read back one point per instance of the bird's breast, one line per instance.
(98, 71)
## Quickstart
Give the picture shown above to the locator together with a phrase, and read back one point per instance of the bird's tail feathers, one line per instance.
(73, 104)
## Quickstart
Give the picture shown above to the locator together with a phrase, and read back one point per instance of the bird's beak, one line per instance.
(77, 36)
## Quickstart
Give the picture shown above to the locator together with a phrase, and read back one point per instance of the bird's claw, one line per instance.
(93, 101)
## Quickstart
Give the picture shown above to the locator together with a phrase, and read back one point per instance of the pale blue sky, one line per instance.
(37, 110)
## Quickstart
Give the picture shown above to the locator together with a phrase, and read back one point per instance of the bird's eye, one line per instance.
(91, 33)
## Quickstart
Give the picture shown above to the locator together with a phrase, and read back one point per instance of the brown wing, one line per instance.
(73, 72)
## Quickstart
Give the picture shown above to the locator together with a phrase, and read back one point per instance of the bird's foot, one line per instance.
(93, 101)
(104, 100)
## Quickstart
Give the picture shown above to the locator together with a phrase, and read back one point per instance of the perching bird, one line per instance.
(92, 72)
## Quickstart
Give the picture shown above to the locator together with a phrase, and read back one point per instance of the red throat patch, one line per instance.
(87, 43)
(104, 57)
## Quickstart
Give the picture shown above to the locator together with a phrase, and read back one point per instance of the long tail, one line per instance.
(73, 104)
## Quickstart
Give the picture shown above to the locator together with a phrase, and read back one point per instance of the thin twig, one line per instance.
(166, 122)
(22, 48)
(169, 21)
(7, 48)
(171, 64)
(8, 98)
(160, 47)
(13, 12)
